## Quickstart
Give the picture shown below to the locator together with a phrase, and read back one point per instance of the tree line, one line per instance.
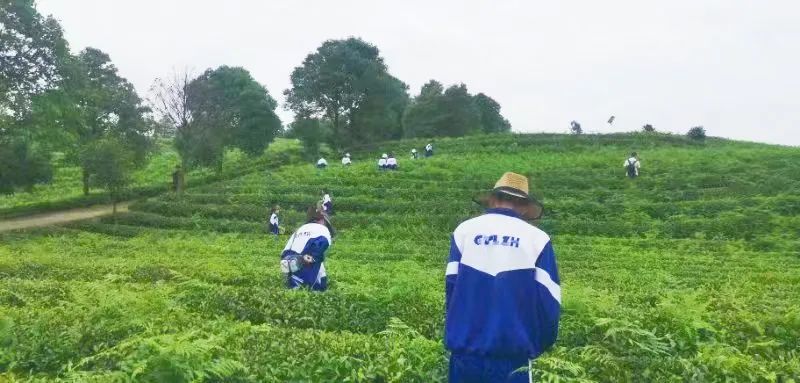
(56, 101)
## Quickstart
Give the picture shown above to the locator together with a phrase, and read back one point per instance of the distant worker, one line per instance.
(632, 165)
(346, 160)
(327, 202)
(302, 260)
(322, 163)
(382, 162)
(414, 154)
(178, 180)
(429, 149)
(391, 162)
(274, 221)
(502, 293)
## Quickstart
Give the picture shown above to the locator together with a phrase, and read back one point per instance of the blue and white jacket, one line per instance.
(312, 239)
(502, 288)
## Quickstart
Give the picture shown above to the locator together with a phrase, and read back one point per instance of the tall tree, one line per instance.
(311, 133)
(110, 163)
(95, 103)
(340, 78)
(463, 115)
(424, 116)
(491, 119)
(452, 112)
(228, 109)
(22, 165)
(169, 99)
(379, 116)
(31, 48)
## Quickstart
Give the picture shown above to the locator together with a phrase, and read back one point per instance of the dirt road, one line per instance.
(57, 217)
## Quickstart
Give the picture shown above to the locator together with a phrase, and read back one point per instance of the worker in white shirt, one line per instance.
(632, 165)
(414, 154)
(382, 162)
(429, 149)
(346, 160)
(274, 221)
(391, 162)
(327, 202)
(322, 163)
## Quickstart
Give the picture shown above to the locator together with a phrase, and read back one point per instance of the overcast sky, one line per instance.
(731, 66)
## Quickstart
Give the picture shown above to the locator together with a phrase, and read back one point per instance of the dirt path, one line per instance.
(64, 216)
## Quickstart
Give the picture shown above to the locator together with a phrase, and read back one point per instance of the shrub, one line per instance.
(697, 133)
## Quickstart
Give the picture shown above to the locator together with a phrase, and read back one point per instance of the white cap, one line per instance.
(385, 155)
(347, 154)
(414, 150)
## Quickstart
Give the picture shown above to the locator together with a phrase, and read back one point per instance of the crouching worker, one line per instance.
(502, 293)
(302, 260)
(632, 165)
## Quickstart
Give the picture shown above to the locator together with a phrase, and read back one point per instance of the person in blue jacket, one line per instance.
(303, 258)
(274, 221)
(502, 293)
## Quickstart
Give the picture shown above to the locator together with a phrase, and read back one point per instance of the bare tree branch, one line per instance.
(169, 100)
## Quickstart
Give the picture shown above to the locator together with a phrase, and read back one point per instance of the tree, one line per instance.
(697, 133)
(31, 48)
(575, 127)
(310, 132)
(379, 117)
(346, 82)
(98, 103)
(31, 51)
(228, 108)
(452, 112)
(110, 163)
(22, 165)
(648, 128)
(424, 116)
(491, 119)
(168, 98)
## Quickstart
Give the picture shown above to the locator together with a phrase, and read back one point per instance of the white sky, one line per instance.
(730, 65)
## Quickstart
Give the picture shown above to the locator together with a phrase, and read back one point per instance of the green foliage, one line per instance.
(31, 47)
(109, 164)
(697, 133)
(575, 127)
(346, 82)
(65, 190)
(22, 166)
(491, 119)
(312, 133)
(452, 112)
(689, 274)
(229, 110)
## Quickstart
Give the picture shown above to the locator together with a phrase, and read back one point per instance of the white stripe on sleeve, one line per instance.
(452, 268)
(544, 278)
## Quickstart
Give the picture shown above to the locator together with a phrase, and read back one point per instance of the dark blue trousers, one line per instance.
(480, 369)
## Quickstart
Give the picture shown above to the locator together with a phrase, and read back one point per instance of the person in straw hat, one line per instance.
(502, 293)
(302, 260)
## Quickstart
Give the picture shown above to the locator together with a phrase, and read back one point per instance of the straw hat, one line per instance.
(516, 186)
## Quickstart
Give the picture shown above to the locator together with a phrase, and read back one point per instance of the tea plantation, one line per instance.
(689, 273)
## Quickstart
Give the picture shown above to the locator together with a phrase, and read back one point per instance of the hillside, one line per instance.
(154, 177)
(688, 273)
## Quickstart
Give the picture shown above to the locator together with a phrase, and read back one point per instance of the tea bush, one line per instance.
(688, 273)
